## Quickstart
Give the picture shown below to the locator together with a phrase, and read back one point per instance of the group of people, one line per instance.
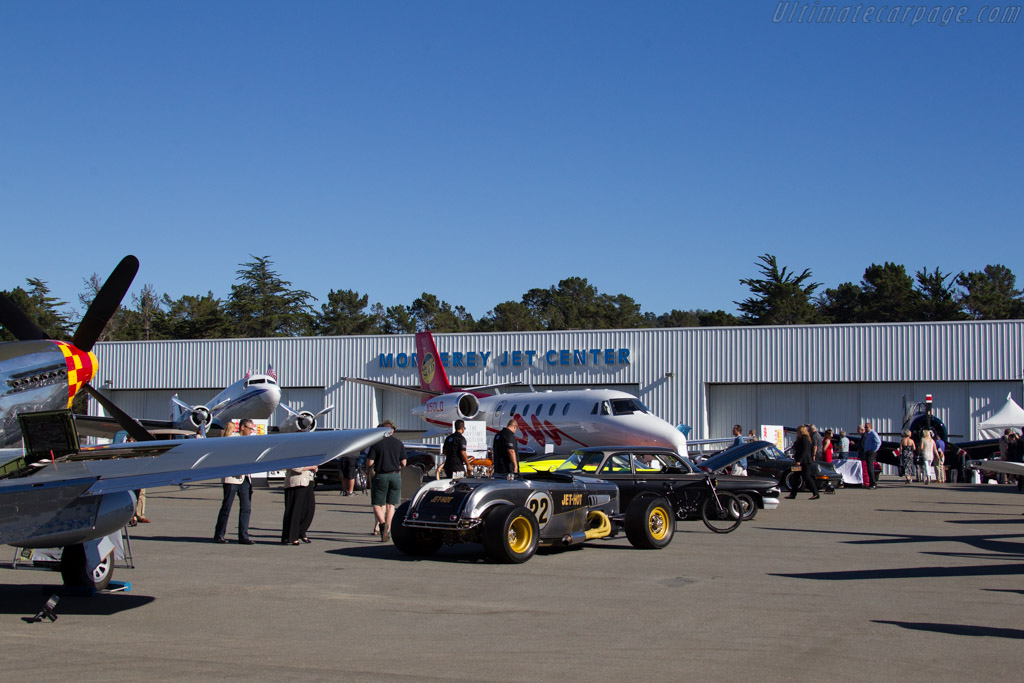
(299, 501)
(924, 457)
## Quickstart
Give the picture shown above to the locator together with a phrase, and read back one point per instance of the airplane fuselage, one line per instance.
(254, 397)
(564, 420)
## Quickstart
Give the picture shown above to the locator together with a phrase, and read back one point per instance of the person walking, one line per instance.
(386, 459)
(803, 451)
(299, 505)
(940, 459)
(236, 486)
(927, 455)
(908, 450)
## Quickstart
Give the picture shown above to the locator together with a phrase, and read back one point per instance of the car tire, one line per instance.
(511, 534)
(748, 506)
(650, 522)
(415, 542)
(794, 481)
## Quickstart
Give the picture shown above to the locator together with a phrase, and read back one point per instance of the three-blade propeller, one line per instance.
(101, 310)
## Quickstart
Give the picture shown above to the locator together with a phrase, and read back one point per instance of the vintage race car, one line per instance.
(513, 515)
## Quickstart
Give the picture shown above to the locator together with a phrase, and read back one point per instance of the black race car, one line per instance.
(513, 515)
(644, 471)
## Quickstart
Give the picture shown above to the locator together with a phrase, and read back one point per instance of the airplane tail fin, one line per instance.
(428, 364)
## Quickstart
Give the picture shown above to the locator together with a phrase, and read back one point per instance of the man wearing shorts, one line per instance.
(386, 459)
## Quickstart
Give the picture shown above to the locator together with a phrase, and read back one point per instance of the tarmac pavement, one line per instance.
(918, 583)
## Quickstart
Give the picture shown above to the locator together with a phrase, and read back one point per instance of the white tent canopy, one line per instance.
(1010, 415)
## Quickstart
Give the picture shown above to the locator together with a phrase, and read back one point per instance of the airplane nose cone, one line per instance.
(81, 367)
(272, 396)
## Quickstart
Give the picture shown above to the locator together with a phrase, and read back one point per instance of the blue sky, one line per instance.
(477, 149)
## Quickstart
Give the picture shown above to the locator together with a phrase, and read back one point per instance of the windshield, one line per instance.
(579, 461)
(627, 406)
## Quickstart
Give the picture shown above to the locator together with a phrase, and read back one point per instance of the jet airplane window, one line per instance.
(565, 410)
(513, 411)
(540, 407)
(526, 409)
(627, 406)
(551, 410)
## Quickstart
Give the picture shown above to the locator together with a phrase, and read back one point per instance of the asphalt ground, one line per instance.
(918, 583)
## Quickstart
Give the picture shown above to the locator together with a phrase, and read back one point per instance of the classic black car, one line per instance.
(513, 515)
(764, 459)
(647, 471)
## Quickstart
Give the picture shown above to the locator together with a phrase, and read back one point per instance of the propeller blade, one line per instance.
(105, 304)
(17, 323)
(130, 424)
(323, 412)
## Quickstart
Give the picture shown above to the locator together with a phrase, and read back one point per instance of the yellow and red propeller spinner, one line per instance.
(81, 367)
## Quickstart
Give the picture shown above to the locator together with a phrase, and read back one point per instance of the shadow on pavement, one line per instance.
(957, 629)
(29, 599)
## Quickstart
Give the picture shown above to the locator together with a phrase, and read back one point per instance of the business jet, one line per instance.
(548, 421)
(55, 494)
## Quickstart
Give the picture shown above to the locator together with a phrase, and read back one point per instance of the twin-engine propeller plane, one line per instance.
(55, 494)
(561, 420)
(255, 396)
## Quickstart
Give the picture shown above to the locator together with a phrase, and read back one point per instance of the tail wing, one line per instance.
(432, 375)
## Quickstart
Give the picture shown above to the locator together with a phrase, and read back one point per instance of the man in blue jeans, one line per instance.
(871, 444)
(240, 486)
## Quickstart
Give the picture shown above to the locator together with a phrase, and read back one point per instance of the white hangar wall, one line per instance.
(710, 378)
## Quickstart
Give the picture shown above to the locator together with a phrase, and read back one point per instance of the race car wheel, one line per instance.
(794, 481)
(511, 534)
(650, 523)
(748, 506)
(415, 542)
(75, 572)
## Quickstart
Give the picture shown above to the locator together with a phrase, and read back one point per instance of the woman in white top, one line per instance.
(927, 454)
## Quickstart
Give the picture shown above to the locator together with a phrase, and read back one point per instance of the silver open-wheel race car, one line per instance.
(513, 515)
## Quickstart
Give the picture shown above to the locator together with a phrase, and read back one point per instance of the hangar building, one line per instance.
(710, 378)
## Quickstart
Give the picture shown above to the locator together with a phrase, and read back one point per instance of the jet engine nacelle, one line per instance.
(448, 408)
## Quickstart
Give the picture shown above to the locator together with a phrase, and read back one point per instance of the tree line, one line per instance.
(263, 304)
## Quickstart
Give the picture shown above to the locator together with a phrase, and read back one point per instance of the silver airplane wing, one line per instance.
(124, 467)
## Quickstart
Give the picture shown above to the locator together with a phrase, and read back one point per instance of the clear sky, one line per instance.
(477, 149)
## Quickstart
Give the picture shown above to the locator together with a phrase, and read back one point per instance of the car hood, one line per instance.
(729, 456)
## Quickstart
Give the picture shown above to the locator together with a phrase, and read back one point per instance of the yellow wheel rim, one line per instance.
(520, 535)
(658, 523)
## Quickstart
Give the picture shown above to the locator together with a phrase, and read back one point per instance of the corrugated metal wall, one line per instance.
(682, 374)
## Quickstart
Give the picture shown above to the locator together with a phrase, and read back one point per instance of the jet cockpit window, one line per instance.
(605, 408)
(259, 380)
(501, 406)
(628, 406)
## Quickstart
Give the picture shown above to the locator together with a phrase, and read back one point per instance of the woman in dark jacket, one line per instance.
(803, 451)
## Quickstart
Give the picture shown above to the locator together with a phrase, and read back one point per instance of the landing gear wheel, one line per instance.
(511, 534)
(416, 542)
(650, 523)
(75, 572)
(794, 481)
(748, 506)
(725, 519)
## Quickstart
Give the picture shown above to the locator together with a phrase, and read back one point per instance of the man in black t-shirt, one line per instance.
(505, 453)
(456, 460)
(386, 458)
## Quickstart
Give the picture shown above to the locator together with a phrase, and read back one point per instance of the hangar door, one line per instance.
(960, 405)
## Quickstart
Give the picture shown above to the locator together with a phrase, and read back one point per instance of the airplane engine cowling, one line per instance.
(200, 417)
(305, 421)
(448, 408)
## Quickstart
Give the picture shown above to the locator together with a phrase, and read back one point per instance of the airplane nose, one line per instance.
(81, 367)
